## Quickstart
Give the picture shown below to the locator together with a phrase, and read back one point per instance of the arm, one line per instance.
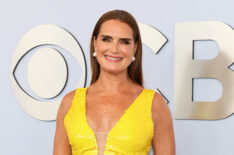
(163, 139)
(61, 142)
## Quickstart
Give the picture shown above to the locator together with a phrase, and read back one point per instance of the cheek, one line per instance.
(127, 50)
(102, 47)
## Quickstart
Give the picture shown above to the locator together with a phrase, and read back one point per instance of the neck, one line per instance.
(113, 82)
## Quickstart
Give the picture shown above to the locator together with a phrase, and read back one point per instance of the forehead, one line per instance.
(116, 28)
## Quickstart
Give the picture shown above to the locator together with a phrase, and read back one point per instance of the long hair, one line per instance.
(135, 68)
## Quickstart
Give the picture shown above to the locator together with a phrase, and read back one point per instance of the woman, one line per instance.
(115, 114)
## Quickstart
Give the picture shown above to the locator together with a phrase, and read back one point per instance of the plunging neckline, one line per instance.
(121, 117)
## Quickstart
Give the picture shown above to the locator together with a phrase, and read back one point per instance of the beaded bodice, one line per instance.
(131, 135)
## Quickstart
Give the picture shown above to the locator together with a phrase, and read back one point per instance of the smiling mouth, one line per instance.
(113, 59)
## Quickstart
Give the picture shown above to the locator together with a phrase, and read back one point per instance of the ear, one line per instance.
(94, 43)
(135, 47)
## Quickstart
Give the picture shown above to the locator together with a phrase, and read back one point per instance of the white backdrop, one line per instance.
(20, 134)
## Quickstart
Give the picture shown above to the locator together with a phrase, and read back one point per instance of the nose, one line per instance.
(114, 47)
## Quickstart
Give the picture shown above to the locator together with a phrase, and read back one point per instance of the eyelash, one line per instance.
(123, 41)
(105, 39)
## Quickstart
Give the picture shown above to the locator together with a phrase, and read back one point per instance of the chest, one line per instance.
(103, 112)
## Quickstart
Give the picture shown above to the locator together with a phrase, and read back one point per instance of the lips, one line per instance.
(113, 58)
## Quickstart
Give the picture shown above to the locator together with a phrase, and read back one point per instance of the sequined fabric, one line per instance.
(131, 135)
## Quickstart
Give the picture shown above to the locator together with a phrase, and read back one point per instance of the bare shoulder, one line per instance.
(61, 141)
(163, 139)
(160, 109)
(66, 103)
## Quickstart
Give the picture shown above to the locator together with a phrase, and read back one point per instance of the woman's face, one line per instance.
(114, 46)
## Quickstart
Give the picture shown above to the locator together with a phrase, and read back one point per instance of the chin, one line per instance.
(114, 70)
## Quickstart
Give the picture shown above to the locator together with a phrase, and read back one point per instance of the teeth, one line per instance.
(113, 58)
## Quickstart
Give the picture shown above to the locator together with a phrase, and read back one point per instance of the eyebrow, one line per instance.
(107, 36)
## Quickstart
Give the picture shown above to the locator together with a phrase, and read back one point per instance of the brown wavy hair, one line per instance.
(135, 68)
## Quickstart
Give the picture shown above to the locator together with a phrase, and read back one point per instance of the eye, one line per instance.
(106, 39)
(126, 42)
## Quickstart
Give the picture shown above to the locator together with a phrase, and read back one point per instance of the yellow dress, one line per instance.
(131, 135)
